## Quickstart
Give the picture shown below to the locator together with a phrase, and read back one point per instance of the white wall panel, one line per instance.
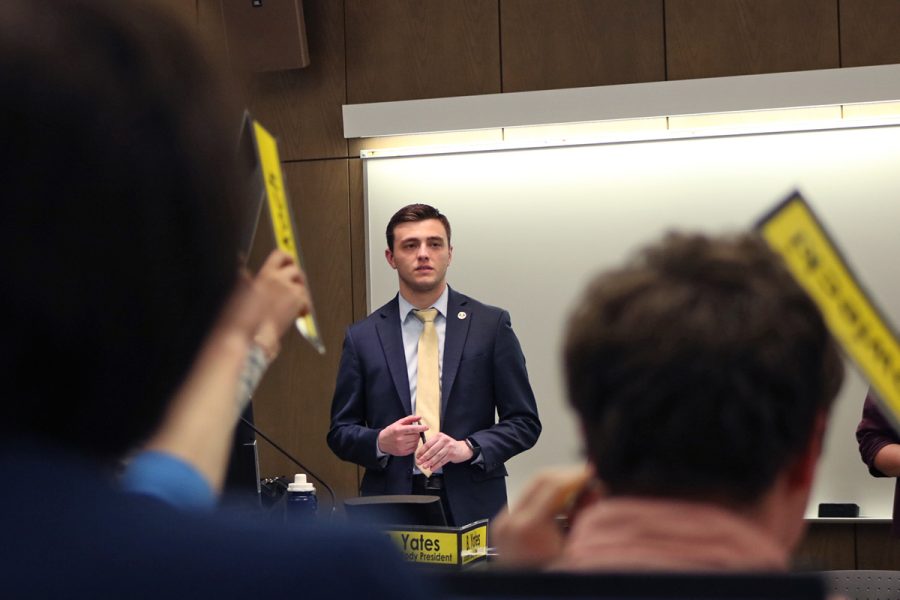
(531, 226)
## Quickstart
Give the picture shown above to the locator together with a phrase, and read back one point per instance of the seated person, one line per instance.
(879, 448)
(118, 220)
(702, 376)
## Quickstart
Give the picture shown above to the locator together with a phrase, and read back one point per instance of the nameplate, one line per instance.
(446, 547)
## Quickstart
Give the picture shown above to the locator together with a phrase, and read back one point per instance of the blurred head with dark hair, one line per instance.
(118, 233)
(702, 371)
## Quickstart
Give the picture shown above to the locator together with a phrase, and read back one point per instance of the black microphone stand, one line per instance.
(296, 462)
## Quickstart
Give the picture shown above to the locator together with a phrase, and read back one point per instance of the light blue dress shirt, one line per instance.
(411, 328)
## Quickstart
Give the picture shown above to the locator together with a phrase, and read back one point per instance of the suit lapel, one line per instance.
(454, 340)
(388, 327)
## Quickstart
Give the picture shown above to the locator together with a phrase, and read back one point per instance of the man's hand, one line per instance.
(281, 285)
(530, 536)
(441, 449)
(400, 438)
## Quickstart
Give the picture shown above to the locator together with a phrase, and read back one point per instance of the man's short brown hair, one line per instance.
(698, 369)
(412, 213)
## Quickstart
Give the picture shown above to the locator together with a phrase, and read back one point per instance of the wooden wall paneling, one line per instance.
(876, 548)
(408, 49)
(211, 34)
(715, 38)
(302, 107)
(358, 239)
(358, 250)
(212, 29)
(293, 402)
(576, 43)
(827, 546)
(869, 32)
(185, 10)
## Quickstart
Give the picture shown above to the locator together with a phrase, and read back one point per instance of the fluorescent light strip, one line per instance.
(580, 130)
(819, 118)
(872, 110)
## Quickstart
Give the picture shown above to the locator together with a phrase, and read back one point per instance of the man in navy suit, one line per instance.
(488, 412)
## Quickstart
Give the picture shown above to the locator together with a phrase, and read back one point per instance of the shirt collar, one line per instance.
(440, 304)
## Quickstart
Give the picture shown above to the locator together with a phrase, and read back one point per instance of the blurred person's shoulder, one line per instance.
(77, 535)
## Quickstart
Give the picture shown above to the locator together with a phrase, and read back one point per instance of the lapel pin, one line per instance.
(461, 315)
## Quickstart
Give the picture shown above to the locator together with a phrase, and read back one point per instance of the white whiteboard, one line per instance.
(531, 226)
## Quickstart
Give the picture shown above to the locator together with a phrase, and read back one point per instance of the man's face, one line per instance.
(421, 255)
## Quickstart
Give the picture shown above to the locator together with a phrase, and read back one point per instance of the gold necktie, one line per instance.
(428, 381)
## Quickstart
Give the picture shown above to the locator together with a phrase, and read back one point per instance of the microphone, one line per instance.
(296, 462)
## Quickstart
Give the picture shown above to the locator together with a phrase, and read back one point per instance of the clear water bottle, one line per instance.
(302, 503)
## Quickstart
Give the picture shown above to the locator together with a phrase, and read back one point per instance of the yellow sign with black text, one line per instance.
(429, 547)
(282, 219)
(794, 232)
(442, 546)
(474, 544)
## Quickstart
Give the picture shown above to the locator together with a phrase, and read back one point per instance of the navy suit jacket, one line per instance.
(483, 372)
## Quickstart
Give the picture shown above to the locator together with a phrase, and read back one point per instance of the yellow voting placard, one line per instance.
(794, 232)
(282, 218)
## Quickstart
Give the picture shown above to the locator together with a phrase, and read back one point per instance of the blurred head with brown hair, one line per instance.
(702, 371)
